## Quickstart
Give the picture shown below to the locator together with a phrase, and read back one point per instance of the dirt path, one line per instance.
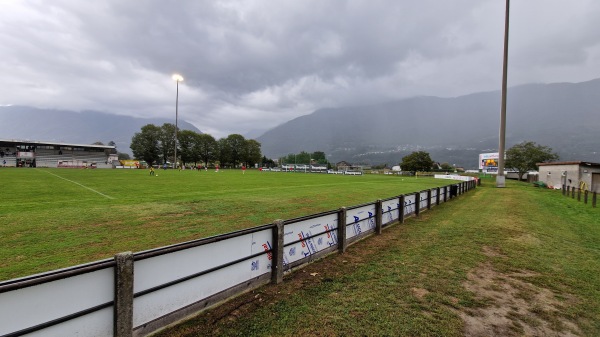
(516, 306)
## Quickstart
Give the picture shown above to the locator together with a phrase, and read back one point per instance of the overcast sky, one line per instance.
(252, 65)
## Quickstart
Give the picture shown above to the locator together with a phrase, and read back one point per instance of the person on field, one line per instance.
(243, 169)
(151, 170)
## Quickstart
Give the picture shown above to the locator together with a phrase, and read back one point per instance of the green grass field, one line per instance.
(56, 218)
(506, 262)
(518, 261)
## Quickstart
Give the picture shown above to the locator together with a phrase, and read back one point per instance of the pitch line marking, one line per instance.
(76, 183)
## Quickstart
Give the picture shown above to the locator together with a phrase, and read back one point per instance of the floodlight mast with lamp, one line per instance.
(177, 78)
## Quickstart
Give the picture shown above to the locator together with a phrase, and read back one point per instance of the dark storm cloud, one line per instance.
(250, 65)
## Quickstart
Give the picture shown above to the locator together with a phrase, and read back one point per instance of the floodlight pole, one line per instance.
(500, 179)
(177, 78)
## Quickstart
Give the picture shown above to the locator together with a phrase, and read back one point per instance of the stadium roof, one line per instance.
(36, 142)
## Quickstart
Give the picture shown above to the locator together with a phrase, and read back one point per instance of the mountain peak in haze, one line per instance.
(563, 116)
(86, 127)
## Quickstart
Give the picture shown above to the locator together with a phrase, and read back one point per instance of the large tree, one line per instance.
(224, 152)
(417, 161)
(232, 149)
(207, 148)
(524, 156)
(319, 157)
(167, 142)
(145, 145)
(187, 144)
(252, 153)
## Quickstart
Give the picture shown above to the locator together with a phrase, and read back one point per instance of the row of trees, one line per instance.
(313, 158)
(522, 157)
(156, 145)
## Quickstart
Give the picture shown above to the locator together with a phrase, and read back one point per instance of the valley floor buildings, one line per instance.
(573, 174)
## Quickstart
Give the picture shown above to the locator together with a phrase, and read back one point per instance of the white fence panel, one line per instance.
(309, 231)
(389, 210)
(38, 304)
(97, 324)
(360, 220)
(167, 300)
(433, 196)
(423, 199)
(158, 270)
(409, 204)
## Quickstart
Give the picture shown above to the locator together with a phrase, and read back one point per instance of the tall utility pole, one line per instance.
(500, 179)
(177, 78)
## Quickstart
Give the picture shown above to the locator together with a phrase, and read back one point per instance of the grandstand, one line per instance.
(25, 153)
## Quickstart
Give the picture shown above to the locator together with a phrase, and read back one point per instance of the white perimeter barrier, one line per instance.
(161, 286)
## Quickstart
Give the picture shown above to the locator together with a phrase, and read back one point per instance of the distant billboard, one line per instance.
(488, 162)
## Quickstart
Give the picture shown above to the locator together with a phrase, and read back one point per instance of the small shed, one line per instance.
(573, 174)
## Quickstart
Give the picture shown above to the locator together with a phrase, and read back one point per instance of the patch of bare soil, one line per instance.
(514, 307)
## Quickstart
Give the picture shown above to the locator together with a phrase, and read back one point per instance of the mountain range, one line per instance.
(87, 127)
(563, 116)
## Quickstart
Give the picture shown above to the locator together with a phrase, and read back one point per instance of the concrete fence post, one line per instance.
(378, 216)
(445, 193)
(573, 193)
(437, 196)
(585, 196)
(277, 253)
(417, 204)
(341, 231)
(429, 199)
(401, 209)
(594, 200)
(579, 194)
(123, 308)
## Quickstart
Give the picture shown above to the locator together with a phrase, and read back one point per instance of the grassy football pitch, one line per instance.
(56, 218)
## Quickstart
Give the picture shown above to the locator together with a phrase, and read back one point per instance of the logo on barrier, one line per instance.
(301, 237)
(292, 251)
(390, 217)
(408, 207)
(267, 248)
(357, 228)
(330, 235)
(254, 265)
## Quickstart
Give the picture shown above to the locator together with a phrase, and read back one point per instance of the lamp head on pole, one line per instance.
(177, 77)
